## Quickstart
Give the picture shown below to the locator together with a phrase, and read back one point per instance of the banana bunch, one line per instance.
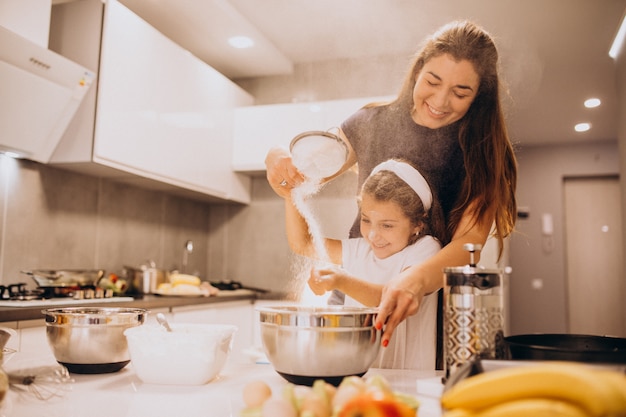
(554, 389)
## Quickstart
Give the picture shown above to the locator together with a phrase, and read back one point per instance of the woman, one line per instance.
(448, 121)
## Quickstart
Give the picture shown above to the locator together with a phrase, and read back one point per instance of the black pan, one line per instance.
(567, 347)
(235, 285)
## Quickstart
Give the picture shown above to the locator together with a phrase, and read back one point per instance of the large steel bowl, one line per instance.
(90, 340)
(308, 343)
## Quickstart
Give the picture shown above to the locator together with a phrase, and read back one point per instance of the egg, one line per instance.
(256, 393)
(278, 407)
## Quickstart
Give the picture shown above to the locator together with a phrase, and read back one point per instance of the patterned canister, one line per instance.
(473, 313)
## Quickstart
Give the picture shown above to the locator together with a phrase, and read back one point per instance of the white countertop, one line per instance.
(123, 394)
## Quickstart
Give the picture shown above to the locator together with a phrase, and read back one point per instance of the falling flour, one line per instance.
(300, 196)
(316, 157)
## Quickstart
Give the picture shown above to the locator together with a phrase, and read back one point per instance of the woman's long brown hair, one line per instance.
(490, 164)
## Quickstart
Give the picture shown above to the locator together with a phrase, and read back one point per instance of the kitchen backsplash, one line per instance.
(53, 218)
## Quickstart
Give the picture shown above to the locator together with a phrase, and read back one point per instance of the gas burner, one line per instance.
(19, 292)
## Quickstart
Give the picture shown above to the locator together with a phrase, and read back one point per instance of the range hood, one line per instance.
(40, 92)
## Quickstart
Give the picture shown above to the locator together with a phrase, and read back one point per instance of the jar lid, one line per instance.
(471, 276)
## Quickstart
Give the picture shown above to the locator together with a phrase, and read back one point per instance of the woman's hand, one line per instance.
(398, 302)
(282, 175)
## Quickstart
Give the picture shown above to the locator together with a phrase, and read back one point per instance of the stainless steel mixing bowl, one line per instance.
(305, 343)
(90, 340)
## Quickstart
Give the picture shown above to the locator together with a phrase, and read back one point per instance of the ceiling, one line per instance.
(554, 53)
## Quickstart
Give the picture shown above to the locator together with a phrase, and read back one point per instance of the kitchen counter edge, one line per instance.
(148, 302)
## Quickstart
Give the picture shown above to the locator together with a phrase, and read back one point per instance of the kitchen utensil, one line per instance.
(235, 285)
(65, 277)
(44, 382)
(188, 250)
(6, 334)
(305, 343)
(145, 279)
(318, 154)
(90, 340)
(473, 313)
(568, 347)
(191, 354)
(163, 321)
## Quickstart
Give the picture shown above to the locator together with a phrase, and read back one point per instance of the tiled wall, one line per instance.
(53, 218)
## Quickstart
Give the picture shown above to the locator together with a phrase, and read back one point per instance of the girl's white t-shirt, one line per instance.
(413, 344)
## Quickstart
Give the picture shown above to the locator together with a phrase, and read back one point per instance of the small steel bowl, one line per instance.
(90, 340)
(308, 343)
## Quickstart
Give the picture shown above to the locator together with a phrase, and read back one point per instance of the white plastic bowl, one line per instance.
(192, 354)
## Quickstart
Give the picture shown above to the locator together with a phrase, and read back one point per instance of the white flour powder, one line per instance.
(300, 196)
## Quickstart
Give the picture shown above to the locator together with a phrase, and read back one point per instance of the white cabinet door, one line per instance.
(161, 113)
(259, 128)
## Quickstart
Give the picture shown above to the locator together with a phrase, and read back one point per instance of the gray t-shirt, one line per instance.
(388, 131)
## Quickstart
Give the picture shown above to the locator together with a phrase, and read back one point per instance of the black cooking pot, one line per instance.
(567, 347)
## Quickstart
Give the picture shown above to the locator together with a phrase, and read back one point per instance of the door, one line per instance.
(593, 229)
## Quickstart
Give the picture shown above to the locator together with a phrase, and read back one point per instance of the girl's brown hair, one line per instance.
(387, 186)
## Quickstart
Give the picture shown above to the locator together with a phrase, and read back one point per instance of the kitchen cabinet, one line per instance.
(259, 128)
(161, 117)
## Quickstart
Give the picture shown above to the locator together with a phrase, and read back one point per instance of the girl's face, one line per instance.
(384, 226)
(444, 91)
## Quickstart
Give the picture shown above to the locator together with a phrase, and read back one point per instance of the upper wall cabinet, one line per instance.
(160, 113)
(259, 128)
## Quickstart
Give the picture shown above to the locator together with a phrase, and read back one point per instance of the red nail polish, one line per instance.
(378, 326)
(385, 342)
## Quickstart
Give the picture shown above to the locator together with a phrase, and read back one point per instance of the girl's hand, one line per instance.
(323, 279)
(281, 174)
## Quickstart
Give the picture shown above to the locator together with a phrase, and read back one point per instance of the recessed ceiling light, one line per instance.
(592, 102)
(241, 42)
(582, 127)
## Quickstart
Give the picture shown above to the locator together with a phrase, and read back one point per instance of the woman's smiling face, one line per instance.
(385, 226)
(444, 91)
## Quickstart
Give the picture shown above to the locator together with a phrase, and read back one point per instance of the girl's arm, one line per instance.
(300, 239)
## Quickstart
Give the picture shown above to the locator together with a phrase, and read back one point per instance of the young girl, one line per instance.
(397, 217)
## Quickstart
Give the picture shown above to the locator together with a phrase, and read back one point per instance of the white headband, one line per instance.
(411, 176)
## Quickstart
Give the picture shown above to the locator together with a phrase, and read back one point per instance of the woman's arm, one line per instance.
(403, 294)
(328, 279)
